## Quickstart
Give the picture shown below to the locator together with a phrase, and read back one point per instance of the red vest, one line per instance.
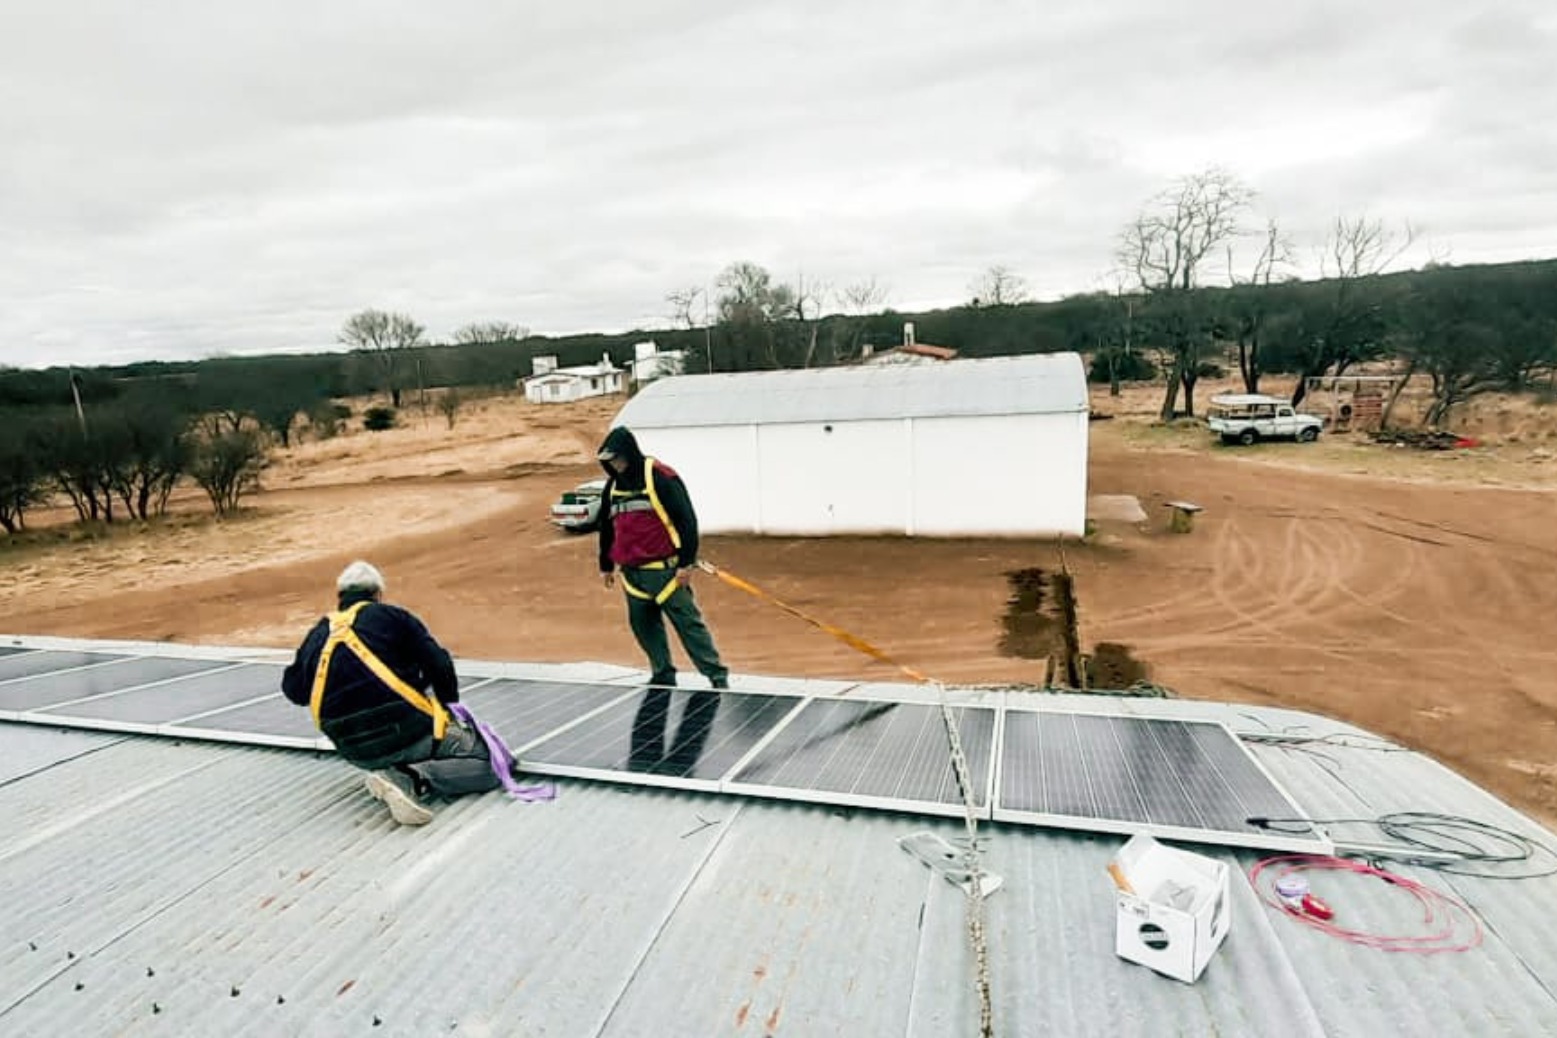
(641, 530)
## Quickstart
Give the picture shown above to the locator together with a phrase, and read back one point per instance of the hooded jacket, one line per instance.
(365, 718)
(631, 531)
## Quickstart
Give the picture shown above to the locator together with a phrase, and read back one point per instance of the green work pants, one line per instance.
(647, 619)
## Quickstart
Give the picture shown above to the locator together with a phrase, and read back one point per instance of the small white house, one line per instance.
(650, 362)
(994, 446)
(553, 385)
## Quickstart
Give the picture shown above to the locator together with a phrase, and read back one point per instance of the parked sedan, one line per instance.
(578, 510)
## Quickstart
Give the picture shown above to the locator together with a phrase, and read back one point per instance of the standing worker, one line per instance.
(648, 530)
(385, 692)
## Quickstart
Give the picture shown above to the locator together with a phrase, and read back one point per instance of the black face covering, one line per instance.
(621, 443)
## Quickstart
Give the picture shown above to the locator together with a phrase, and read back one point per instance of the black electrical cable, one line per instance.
(1474, 848)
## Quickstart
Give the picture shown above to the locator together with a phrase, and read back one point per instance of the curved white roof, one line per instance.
(1048, 383)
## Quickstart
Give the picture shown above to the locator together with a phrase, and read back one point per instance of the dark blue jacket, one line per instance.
(364, 717)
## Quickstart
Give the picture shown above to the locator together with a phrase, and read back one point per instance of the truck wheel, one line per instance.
(1308, 435)
(1248, 437)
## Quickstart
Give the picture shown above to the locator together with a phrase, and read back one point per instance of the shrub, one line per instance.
(1132, 367)
(227, 466)
(377, 419)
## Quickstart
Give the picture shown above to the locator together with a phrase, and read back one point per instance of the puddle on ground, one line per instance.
(1112, 667)
(1027, 632)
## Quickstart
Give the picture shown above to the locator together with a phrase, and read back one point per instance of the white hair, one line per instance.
(360, 576)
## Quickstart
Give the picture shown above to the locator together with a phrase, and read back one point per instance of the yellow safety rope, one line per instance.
(853, 641)
(342, 633)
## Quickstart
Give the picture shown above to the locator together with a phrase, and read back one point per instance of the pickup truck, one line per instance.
(1247, 418)
(578, 510)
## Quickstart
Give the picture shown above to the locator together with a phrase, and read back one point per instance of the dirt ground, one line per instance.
(1410, 593)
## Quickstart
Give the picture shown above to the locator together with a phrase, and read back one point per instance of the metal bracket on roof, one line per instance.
(948, 860)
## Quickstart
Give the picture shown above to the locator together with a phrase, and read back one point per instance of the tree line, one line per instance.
(1201, 281)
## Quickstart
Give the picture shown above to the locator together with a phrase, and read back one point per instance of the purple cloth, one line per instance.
(503, 763)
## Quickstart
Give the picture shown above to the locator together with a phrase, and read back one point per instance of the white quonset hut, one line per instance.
(994, 446)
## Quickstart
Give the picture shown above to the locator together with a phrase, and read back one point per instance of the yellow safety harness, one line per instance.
(670, 528)
(342, 633)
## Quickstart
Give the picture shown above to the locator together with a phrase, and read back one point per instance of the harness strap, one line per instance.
(660, 599)
(342, 633)
(654, 499)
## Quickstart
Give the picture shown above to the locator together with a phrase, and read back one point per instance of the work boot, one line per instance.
(403, 805)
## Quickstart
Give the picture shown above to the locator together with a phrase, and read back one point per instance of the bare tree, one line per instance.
(384, 337)
(1114, 334)
(684, 306)
(490, 331)
(1250, 302)
(806, 312)
(1360, 247)
(998, 286)
(1164, 249)
(1348, 323)
(864, 297)
(768, 323)
(684, 314)
(858, 301)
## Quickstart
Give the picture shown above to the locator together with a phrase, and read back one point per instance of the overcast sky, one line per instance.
(186, 179)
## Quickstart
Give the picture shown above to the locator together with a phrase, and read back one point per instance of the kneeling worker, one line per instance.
(379, 684)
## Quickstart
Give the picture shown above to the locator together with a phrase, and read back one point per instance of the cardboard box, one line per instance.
(1173, 907)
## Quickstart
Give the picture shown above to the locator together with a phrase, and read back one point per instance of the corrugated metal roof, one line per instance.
(154, 887)
(1049, 383)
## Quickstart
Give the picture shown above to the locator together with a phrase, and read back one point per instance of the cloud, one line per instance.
(182, 179)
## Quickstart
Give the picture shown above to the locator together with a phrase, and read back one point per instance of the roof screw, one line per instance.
(80, 986)
(156, 1007)
(70, 955)
(281, 1000)
(377, 1021)
(235, 991)
(150, 972)
(32, 945)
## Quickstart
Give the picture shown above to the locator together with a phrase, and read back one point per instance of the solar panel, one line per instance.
(174, 700)
(873, 754)
(1188, 780)
(271, 721)
(527, 711)
(26, 664)
(60, 686)
(663, 737)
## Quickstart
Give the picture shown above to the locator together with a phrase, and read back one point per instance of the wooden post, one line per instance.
(1182, 519)
(1065, 605)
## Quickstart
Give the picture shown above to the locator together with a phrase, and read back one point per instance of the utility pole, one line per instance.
(708, 333)
(75, 392)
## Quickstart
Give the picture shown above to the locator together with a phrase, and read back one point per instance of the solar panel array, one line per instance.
(1190, 780)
